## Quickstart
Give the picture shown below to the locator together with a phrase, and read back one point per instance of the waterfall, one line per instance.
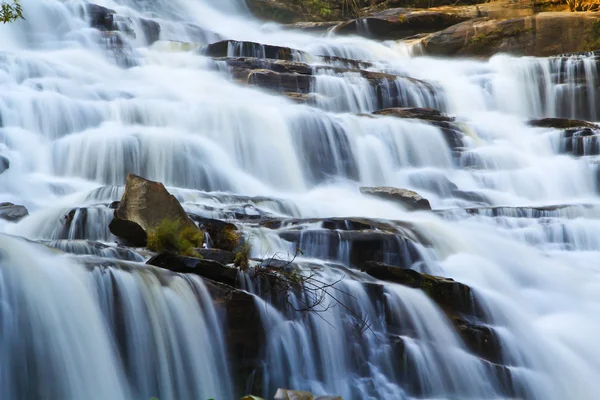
(281, 148)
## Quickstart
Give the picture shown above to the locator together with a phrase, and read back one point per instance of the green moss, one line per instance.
(592, 37)
(172, 235)
(242, 256)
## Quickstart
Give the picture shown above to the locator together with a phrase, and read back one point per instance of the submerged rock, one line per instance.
(144, 206)
(12, 212)
(408, 198)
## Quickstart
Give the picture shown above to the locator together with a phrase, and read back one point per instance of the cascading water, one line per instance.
(516, 210)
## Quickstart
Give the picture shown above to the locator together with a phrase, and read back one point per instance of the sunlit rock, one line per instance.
(144, 206)
(408, 198)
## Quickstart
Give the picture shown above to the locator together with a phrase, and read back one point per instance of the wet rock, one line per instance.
(447, 293)
(12, 212)
(480, 339)
(452, 133)
(315, 27)
(144, 206)
(223, 235)
(285, 394)
(101, 18)
(426, 114)
(355, 247)
(561, 123)
(399, 23)
(244, 334)
(287, 83)
(151, 30)
(541, 35)
(233, 48)
(408, 198)
(4, 164)
(199, 266)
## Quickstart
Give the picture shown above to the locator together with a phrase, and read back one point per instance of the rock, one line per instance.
(355, 247)
(198, 266)
(4, 164)
(144, 206)
(447, 293)
(285, 394)
(282, 82)
(452, 132)
(101, 18)
(234, 48)
(426, 114)
(151, 30)
(314, 27)
(12, 212)
(408, 198)
(561, 123)
(540, 35)
(222, 235)
(398, 23)
(244, 334)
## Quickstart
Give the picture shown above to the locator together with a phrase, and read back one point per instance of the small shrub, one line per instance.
(228, 238)
(10, 12)
(242, 257)
(171, 235)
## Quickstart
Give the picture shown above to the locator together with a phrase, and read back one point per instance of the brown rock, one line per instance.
(408, 198)
(541, 35)
(144, 206)
(399, 23)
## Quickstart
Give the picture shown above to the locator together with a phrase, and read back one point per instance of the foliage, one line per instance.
(583, 5)
(242, 256)
(171, 235)
(11, 12)
(592, 39)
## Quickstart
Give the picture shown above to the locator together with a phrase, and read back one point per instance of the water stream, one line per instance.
(81, 318)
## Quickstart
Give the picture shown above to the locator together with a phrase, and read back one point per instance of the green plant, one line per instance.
(172, 235)
(242, 256)
(11, 12)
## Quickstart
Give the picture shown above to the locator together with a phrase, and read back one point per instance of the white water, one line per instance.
(75, 119)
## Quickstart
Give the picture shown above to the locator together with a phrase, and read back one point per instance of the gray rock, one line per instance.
(408, 198)
(12, 212)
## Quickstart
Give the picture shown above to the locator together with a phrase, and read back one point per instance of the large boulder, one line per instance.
(143, 207)
(540, 35)
(408, 198)
(12, 212)
(399, 23)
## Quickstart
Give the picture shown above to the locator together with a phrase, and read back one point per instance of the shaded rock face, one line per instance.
(233, 48)
(452, 133)
(12, 212)
(144, 206)
(398, 23)
(561, 123)
(408, 198)
(107, 20)
(541, 35)
(426, 114)
(244, 333)
(4, 164)
(200, 266)
(455, 299)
